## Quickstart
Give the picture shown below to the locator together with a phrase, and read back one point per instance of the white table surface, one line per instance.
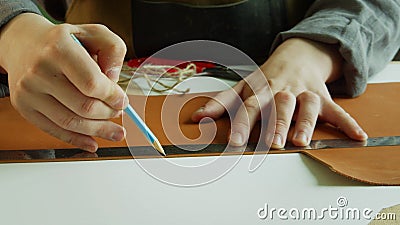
(120, 192)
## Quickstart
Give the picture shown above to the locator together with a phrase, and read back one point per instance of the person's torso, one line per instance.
(150, 25)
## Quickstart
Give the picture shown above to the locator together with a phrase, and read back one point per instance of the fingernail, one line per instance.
(118, 135)
(237, 139)
(363, 134)
(277, 142)
(200, 110)
(301, 137)
(90, 148)
(113, 73)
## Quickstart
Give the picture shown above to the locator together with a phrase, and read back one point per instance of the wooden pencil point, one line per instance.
(158, 147)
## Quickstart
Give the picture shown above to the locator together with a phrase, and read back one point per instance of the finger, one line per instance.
(109, 48)
(334, 114)
(285, 103)
(217, 106)
(73, 99)
(86, 75)
(84, 142)
(244, 121)
(68, 120)
(309, 108)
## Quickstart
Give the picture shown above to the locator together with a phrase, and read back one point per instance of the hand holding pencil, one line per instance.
(58, 86)
(137, 120)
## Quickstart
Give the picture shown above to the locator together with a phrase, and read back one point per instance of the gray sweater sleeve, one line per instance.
(367, 31)
(11, 8)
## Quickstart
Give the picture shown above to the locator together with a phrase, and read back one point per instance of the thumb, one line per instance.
(109, 48)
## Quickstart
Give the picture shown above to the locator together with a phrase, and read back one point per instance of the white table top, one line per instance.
(120, 192)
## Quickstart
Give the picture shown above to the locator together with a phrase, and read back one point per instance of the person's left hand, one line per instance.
(296, 73)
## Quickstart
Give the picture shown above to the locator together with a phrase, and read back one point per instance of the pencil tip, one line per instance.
(158, 147)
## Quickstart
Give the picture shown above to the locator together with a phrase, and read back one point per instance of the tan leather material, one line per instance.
(373, 165)
(377, 111)
(18, 134)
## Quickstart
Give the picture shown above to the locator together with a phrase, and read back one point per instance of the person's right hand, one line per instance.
(66, 90)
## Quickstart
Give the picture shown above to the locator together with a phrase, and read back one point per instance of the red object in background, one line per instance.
(200, 65)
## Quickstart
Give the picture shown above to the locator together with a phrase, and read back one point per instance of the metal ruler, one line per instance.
(54, 155)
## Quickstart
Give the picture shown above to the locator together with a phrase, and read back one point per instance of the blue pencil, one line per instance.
(144, 128)
(137, 120)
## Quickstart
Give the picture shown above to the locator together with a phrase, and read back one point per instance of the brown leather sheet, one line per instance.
(377, 111)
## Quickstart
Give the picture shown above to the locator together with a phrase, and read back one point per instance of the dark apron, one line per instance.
(250, 26)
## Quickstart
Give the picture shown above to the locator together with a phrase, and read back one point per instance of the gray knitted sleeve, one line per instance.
(367, 31)
(11, 8)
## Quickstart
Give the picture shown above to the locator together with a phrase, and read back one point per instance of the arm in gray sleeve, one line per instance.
(367, 31)
(8, 10)
(11, 8)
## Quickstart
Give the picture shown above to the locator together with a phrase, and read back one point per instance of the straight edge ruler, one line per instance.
(174, 151)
